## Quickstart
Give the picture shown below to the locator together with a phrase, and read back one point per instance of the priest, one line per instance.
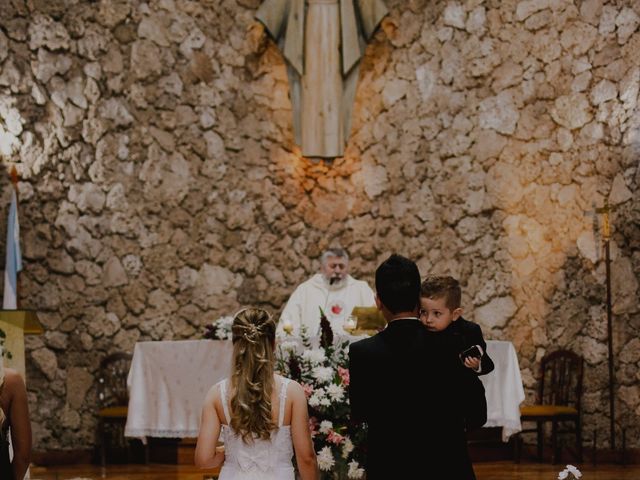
(332, 289)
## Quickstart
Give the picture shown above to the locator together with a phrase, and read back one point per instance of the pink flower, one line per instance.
(308, 390)
(344, 375)
(334, 437)
(313, 425)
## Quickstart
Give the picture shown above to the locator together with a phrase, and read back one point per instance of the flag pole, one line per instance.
(14, 181)
(13, 174)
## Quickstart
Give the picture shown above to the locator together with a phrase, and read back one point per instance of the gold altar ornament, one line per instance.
(368, 320)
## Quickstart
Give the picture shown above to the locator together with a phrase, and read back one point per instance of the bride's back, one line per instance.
(276, 401)
(261, 457)
(260, 415)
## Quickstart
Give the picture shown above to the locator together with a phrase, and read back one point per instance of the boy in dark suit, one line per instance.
(441, 311)
(410, 389)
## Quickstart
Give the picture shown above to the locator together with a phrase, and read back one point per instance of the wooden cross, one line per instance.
(605, 211)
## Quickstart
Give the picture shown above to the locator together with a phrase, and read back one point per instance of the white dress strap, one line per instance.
(225, 407)
(283, 400)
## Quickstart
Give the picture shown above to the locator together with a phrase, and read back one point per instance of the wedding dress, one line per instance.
(260, 459)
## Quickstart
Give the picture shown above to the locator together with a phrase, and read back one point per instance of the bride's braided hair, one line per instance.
(253, 337)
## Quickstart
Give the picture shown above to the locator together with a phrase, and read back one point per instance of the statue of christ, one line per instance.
(322, 42)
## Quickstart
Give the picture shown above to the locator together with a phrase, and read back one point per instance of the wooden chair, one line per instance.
(113, 397)
(558, 401)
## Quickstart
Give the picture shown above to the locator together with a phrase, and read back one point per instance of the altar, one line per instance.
(169, 380)
(503, 389)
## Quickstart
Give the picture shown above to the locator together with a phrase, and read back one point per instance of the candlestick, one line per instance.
(350, 324)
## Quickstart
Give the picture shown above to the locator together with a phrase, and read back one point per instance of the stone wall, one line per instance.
(161, 188)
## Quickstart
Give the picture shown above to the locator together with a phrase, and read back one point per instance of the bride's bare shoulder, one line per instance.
(12, 377)
(12, 384)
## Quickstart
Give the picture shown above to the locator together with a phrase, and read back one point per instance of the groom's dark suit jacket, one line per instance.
(411, 390)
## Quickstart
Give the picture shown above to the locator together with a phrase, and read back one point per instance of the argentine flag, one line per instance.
(14, 257)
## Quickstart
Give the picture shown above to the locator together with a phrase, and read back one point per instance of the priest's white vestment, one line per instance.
(303, 307)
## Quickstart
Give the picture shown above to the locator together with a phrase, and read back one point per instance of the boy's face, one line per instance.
(435, 315)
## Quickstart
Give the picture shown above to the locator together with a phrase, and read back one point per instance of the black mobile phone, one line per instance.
(471, 352)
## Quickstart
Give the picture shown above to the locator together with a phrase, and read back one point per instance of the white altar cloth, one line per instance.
(503, 389)
(168, 382)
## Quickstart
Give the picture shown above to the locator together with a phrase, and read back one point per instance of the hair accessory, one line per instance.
(251, 333)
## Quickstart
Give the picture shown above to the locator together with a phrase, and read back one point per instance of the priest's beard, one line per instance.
(336, 282)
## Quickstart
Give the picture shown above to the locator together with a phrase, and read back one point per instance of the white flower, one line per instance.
(317, 397)
(323, 374)
(325, 459)
(325, 402)
(563, 474)
(576, 473)
(347, 447)
(289, 346)
(354, 470)
(223, 327)
(335, 392)
(325, 426)
(314, 356)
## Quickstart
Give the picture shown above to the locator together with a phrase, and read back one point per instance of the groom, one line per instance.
(407, 386)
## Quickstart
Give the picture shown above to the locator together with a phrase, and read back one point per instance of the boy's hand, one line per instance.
(473, 363)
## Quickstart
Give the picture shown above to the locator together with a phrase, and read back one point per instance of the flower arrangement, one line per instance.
(322, 371)
(219, 329)
(570, 470)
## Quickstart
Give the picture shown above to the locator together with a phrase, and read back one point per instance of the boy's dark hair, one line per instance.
(442, 287)
(398, 284)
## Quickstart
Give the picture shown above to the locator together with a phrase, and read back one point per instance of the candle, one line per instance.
(350, 324)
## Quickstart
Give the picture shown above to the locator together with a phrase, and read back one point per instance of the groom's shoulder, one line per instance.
(364, 344)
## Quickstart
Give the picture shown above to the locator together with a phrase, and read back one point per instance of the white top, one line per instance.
(303, 305)
(261, 459)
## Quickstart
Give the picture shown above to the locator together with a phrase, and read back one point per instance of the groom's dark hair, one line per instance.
(398, 284)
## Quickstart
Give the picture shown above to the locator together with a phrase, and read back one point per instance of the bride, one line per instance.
(263, 416)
